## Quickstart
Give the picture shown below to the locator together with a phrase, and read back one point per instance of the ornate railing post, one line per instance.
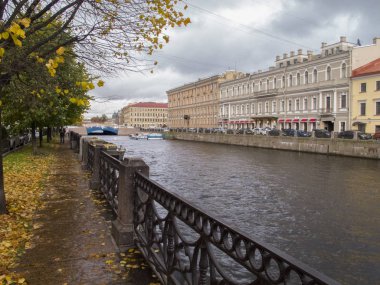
(95, 178)
(122, 227)
(84, 151)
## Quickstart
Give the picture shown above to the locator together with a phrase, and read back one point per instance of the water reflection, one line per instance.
(323, 210)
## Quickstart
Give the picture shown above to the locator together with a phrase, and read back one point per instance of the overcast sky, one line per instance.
(245, 35)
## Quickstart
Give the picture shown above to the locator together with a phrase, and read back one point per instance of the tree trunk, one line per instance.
(34, 142)
(40, 130)
(48, 135)
(3, 203)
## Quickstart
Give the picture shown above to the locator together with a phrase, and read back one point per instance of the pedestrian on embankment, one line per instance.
(62, 135)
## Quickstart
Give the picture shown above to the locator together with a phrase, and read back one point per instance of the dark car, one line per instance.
(240, 131)
(230, 131)
(303, 134)
(274, 132)
(376, 136)
(288, 132)
(364, 136)
(323, 134)
(346, 135)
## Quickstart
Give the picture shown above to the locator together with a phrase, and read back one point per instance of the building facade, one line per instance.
(366, 97)
(302, 91)
(145, 115)
(196, 104)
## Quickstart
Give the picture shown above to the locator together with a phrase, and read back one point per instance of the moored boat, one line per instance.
(139, 137)
(155, 136)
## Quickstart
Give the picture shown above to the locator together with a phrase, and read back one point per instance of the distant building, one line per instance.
(145, 115)
(195, 105)
(366, 97)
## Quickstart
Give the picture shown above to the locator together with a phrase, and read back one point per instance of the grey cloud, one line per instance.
(212, 44)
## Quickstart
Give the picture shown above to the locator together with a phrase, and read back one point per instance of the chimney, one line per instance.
(291, 53)
(277, 58)
(285, 55)
(343, 39)
(300, 51)
(323, 45)
(309, 54)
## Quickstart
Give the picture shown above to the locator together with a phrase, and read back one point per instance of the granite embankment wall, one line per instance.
(344, 147)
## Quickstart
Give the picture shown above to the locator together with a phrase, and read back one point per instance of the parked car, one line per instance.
(249, 132)
(303, 134)
(274, 132)
(364, 136)
(376, 136)
(350, 135)
(230, 131)
(346, 135)
(264, 131)
(240, 131)
(321, 133)
(288, 132)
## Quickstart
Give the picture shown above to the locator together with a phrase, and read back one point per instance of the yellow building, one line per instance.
(145, 115)
(196, 104)
(366, 97)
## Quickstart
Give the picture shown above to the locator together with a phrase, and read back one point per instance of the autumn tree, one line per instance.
(109, 35)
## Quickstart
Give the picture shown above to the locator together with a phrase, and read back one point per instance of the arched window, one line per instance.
(298, 79)
(306, 77)
(267, 84)
(315, 76)
(283, 81)
(260, 85)
(328, 73)
(290, 80)
(344, 70)
(275, 82)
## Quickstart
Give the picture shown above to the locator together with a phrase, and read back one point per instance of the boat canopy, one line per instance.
(101, 131)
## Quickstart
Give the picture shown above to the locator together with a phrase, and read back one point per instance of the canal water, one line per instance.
(323, 210)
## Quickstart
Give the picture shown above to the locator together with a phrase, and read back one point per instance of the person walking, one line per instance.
(62, 135)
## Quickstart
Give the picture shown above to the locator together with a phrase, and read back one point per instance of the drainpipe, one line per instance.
(350, 91)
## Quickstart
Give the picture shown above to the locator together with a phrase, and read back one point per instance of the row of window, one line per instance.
(363, 86)
(149, 114)
(285, 81)
(363, 108)
(146, 120)
(292, 105)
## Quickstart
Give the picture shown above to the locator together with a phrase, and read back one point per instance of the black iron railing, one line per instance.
(109, 178)
(186, 245)
(182, 243)
(91, 157)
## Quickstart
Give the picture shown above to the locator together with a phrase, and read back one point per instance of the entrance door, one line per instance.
(329, 125)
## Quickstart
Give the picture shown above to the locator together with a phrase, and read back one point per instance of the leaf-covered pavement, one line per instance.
(64, 226)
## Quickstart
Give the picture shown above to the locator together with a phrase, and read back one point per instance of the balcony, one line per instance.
(264, 93)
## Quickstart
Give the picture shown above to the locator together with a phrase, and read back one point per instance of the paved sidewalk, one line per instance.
(72, 242)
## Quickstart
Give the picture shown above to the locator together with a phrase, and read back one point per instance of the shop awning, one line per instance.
(312, 120)
(296, 120)
(303, 120)
(281, 120)
(288, 121)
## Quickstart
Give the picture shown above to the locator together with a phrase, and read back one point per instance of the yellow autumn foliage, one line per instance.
(23, 177)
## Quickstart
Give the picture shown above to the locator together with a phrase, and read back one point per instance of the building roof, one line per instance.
(149, 105)
(370, 68)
